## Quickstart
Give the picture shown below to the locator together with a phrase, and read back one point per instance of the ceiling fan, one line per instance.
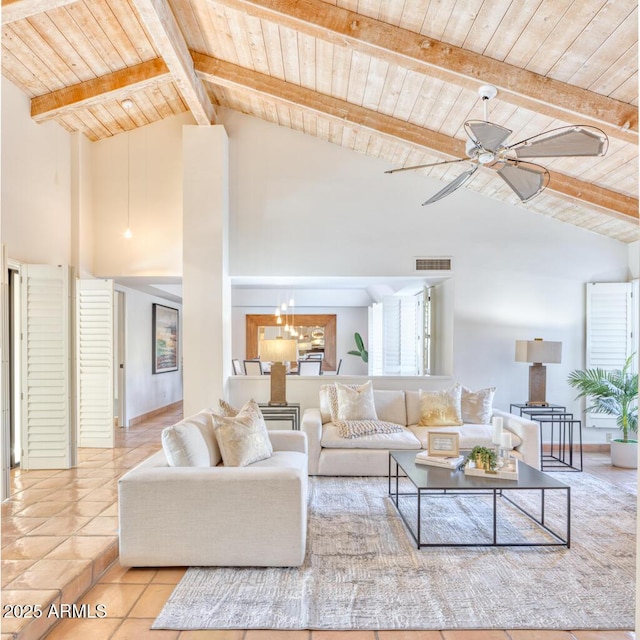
(485, 147)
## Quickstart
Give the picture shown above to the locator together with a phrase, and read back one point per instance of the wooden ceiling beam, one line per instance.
(449, 63)
(233, 76)
(170, 43)
(13, 10)
(113, 86)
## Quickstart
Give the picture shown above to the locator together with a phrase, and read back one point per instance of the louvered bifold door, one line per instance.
(46, 368)
(5, 414)
(94, 357)
(609, 334)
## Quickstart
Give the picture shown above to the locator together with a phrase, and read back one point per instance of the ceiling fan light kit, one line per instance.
(486, 147)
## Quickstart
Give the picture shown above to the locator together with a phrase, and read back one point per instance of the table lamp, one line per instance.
(538, 351)
(278, 351)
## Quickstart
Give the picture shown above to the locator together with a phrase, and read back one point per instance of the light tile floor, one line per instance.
(59, 546)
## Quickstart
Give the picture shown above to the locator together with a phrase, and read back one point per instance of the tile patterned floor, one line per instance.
(59, 546)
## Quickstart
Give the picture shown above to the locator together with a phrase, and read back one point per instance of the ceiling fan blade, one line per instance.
(525, 178)
(563, 142)
(452, 186)
(423, 166)
(488, 135)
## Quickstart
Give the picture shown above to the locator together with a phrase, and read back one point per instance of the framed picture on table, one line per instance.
(443, 444)
(165, 339)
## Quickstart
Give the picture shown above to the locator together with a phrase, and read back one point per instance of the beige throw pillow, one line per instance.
(356, 403)
(184, 445)
(477, 406)
(243, 439)
(441, 408)
(225, 409)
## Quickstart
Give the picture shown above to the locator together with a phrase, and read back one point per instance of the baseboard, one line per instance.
(150, 414)
(587, 447)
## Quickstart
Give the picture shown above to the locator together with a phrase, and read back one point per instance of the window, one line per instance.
(398, 342)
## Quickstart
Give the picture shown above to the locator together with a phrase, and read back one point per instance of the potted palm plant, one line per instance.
(614, 393)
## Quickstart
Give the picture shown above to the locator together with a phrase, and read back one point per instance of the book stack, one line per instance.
(447, 462)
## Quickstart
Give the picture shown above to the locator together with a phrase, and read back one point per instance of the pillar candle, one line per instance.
(506, 441)
(497, 430)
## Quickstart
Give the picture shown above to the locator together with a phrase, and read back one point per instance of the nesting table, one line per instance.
(565, 449)
(289, 411)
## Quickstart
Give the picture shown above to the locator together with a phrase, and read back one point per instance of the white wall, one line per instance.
(634, 259)
(301, 206)
(154, 153)
(146, 391)
(36, 190)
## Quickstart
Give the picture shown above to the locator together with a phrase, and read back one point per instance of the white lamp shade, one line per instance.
(278, 350)
(542, 351)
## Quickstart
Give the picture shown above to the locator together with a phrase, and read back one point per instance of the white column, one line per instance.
(206, 310)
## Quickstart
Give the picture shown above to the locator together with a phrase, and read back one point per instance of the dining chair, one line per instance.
(237, 367)
(309, 367)
(253, 367)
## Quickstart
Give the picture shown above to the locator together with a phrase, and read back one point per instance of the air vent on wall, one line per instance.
(433, 264)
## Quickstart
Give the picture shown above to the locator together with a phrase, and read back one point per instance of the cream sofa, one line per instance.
(332, 455)
(215, 515)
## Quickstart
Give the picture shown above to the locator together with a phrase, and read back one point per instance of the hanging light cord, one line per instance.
(127, 233)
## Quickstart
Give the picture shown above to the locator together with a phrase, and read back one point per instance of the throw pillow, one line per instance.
(477, 406)
(184, 445)
(243, 439)
(356, 403)
(225, 409)
(441, 408)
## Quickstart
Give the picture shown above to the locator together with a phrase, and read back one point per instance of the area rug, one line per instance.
(362, 570)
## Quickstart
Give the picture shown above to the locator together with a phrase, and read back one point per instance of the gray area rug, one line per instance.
(362, 570)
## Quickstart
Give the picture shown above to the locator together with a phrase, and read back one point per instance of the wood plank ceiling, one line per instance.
(394, 79)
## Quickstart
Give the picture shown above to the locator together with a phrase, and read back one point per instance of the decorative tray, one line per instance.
(511, 473)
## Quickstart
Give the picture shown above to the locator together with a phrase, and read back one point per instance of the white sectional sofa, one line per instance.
(212, 515)
(332, 455)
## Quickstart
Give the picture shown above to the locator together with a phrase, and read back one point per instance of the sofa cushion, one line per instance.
(403, 439)
(243, 439)
(441, 408)
(471, 435)
(355, 403)
(477, 406)
(390, 406)
(191, 442)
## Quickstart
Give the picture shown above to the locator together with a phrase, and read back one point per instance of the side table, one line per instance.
(563, 446)
(289, 411)
(561, 454)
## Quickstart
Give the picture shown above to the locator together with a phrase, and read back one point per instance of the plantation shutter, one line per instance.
(94, 373)
(401, 342)
(375, 340)
(46, 370)
(609, 334)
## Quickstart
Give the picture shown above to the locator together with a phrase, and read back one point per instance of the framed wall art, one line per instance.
(165, 339)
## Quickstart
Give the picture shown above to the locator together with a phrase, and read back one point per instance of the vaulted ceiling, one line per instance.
(394, 79)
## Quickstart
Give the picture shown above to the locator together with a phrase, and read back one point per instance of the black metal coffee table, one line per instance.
(430, 481)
